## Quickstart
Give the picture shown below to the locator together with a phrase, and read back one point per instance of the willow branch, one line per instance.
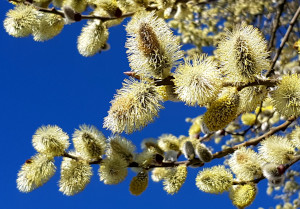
(286, 166)
(284, 40)
(276, 23)
(243, 133)
(61, 13)
(68, 155)
(255, 141)
(158, 82)
(241, 85)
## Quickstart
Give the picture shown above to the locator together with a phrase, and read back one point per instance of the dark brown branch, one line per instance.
(284, 40)
(61, 13)
(158, 82)
(256, 140)
(68, 155)
(275, 24)
(241, 85)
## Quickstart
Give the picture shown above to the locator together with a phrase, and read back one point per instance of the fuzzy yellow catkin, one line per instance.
(49, 25)
(92, 38)
(139, 183)
(20, 21)
(198, 81)
(35, 172)
(74, 176)
(295, 137)
(134, 106)
(243, 195)
(277, 149)
(168, 93)
(248, 118)
(195, 128)
(174, 179)
(152, 48)
(50, 140)
(145, 158)
(286, 97)
(120, 146)
(89, 142)
(222, 111)
(214, 180)
(151, 144)
(159, 174)
(243, 53)
(251, 97)
(245, 164)
(297, 45)
(113, 170)
(168, 142)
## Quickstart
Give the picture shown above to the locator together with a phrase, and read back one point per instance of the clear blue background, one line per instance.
(51, 83)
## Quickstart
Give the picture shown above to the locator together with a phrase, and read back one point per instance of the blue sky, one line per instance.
(51, 83)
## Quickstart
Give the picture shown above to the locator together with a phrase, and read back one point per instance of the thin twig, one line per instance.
(61, 13)
(256, 140)
(275, 24)
(241, 85)
(284, 40)
(243, 133)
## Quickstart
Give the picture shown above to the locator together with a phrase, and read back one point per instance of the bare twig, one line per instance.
(241, 85)
(256, 140)
(284, 40)
(61, 13)
(243, 133)
(275, 24)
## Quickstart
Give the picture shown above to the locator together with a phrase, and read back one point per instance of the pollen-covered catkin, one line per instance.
(35, 172)
(89, 142)
(222, 111)
(159, 174)
(243, 53)
(250, 97)
(243, 195)
(113, 170)
(248, 118)
(49, 25)
(277, 149)
(174, 179)
(286, 97)
(139, 183)
(152, 48)
(20, 21)
(50, 140)
(295, 137)
(245, 164)
(121, 147)
(214, 180)
(134, 106)
(74, 176)
(92, 38)
(198, 81)
(168, 142)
